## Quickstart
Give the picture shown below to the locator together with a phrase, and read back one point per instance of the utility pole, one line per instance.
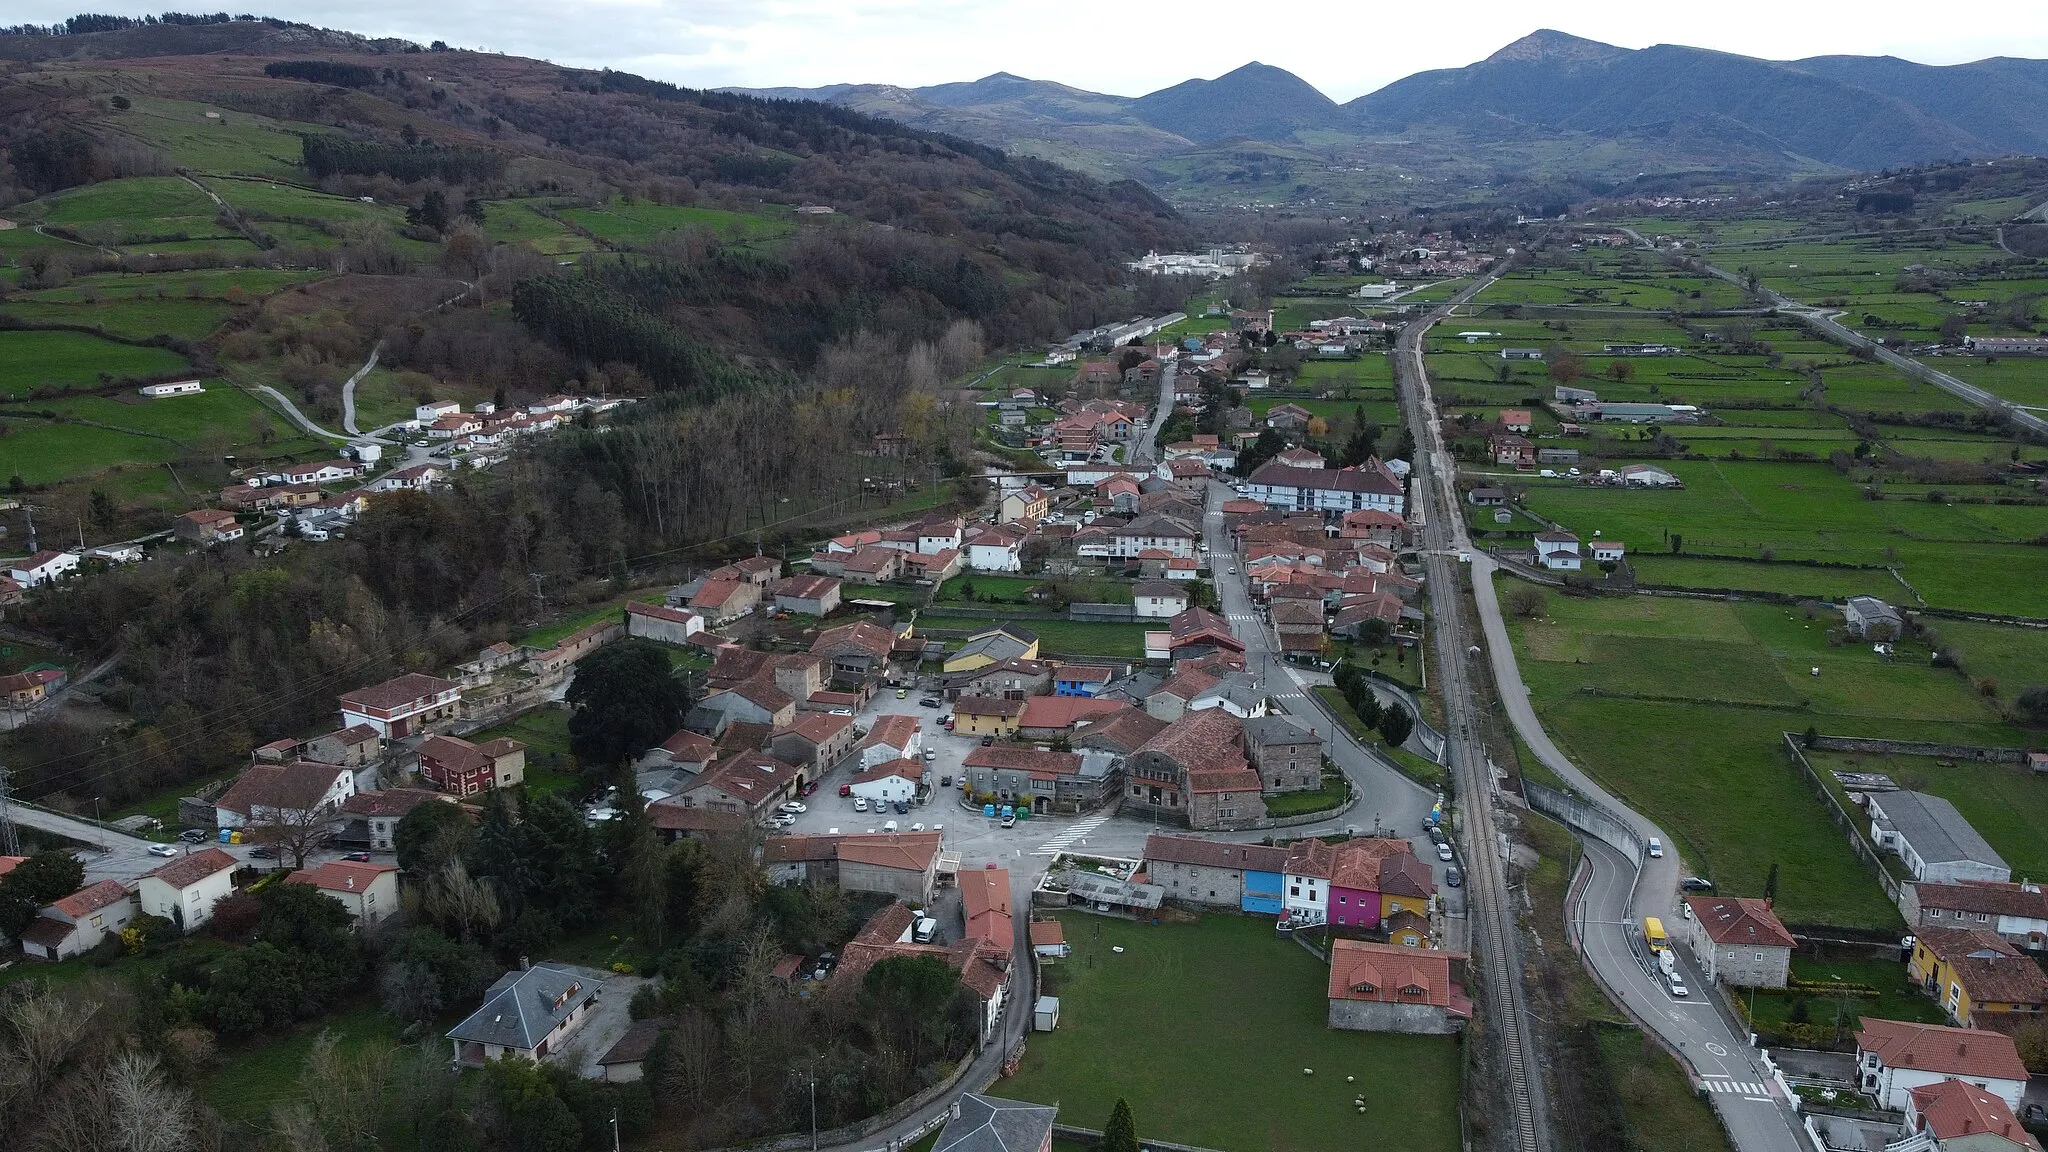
(615, 1128)
(10, 843)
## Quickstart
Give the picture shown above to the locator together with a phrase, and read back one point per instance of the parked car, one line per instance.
(358, 857)
(194, 836)
(860, 803)
(1676, 983)
(903, 693)
(1696, 884)
(945, 781)
(930, 754)
(1453, 877)
(1656, 848)
(262, 852)
(785, 820)
(1010, 821)
(927, 702)
(987, 740)
(793, 807)
(846, 789)
(902, 809)
(842, 711)
(1436, 834)
(162, 850)
(1443, 852)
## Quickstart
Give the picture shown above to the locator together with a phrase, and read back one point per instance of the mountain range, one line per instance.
(1546, 109)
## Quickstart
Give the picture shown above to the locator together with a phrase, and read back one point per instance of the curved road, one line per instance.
(1615, 898)
(348, 391)
(298, 417)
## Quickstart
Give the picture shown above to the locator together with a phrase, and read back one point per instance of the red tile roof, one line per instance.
(894, 731)
(1048, 764)
(1387, 974)
(1940, 1049)
(91, 898)
(1211, 740)
(910, 770)
(985, 903)
(805, 587)
(1170, 849)
(715, 593)
(988, 706)
(389, 801)
(1124, 732)
(2027, 901)
(1992, 970)
(873, 639)
(1357, 864)
(397, 692)
(672, 817)
(288, 787)
(1957, 1108)
(341, 875)
(1740, 920)
(1066, 711)
(1311, 858)
(192, 868)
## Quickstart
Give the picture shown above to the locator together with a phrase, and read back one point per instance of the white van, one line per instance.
(925, 930)
(888, 825)
(1656, 848)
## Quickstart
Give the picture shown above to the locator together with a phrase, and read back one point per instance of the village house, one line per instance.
(1869, 618)
(368, 891)
(185, 890)
(750, 783)
(402, 706)
(1608, 551)
(1287, 754)
(1194, 772)
(993, 646)
(723, 601)
(662, 623)
(527, 1014)
(1056, 717)
(76, 924)
(1081, 679)
(296, 796)
(983, 964)
(1516, 420)
(26, 689)
(997, 549)
(857, 652)
(889, 782)
(807, 595)
(1511, 451)
(206, 526)
(49, 567)
(1486, 497)
(2018, 913)
(1247, 877)
(899, 864)
(893, 737)
(378, 814)
(460, 768)
(814, 740)
(986, 716)
(1558, 551)
(1012, 679)
(1030, 502)
(1893, 1058)
(1961, 1117)
(1979, 980)
(1369, 485)
(1934, 839)
(1390, 988)
(1739, 941)
(1158, 599)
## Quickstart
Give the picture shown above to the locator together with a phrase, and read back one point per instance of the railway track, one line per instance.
(1433, 511)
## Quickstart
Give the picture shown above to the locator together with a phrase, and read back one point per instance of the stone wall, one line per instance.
(1414, 1019)
(1876, 747)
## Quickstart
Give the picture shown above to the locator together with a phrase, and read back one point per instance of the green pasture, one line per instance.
(236, 143)
(631, 223)
(2006, 803)
(137, 318)
(37, 359)
(1226, 1005)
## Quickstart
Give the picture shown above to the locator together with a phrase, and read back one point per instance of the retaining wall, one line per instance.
(1586, 816)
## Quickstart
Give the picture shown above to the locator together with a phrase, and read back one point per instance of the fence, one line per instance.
(1850, 823)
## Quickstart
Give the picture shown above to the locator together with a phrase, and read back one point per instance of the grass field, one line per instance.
(1677, 706)
(545, 732)
(135, 319)
(2006, 803)
(628, 224)
(1205, 1028)
(97, 433)
(117, 212)
(32, 359)
(1659, 1104)
(1060, 637)
(250, 1079)
(1968, 556)
(232, 143)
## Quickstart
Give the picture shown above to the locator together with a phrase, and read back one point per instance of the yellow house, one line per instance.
(985, 716)
(1975, 974)
(993, 646)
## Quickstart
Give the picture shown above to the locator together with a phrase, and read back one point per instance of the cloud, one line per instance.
(1128, 47)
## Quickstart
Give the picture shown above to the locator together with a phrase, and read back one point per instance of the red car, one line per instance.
(846, 789)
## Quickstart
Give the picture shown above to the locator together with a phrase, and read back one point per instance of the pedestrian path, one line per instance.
(1745, 1088)
(1074, 832)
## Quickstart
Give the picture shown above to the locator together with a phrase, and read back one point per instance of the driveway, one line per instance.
(608, 1020)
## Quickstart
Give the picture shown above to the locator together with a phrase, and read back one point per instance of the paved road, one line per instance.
(348, 391)
(1614, 900)
(1146, 450)
(298, 417)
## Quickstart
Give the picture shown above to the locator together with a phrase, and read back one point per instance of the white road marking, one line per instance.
(1744, 1088)
(1076, 831)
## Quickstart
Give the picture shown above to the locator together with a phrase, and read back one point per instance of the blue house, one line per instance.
(1081, 679)
(1247, 877)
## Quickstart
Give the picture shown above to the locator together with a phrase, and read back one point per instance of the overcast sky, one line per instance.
(1128, 47)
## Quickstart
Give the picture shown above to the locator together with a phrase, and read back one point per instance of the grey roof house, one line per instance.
(991, 1124)
(528, 1013)
(1872, 619)
(1933, 839)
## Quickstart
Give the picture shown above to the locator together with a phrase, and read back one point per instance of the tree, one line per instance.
(1395, 725)
(1121, 1133)
(2032, 703)
(1621, 371)
(36, 881)
(1954, 327)
(2031, 1039)
(295, 832)
(625, 702)
(1526, 602)
(101, 509)
(431, 835)
(1565, 364)
(911, 998)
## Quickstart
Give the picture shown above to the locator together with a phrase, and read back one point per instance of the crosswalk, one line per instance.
(1244, 618)
(1748, 1089)
(1074, 832)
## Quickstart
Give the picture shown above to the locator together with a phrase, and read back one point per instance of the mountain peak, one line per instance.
(1549, 46)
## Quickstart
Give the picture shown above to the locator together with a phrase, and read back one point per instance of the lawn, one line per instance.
(1205, 1028)
(96, 433)
(1898, 999)
(632, 223)
(2006, 803)
(233, 142)
(250, 1079)
(34, 359)
(1060, 637)
(127, 211)
(1677, 705)
(136, 319)
(545, 732)
(1411, 765)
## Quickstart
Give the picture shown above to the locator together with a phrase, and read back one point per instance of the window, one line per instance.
(98, 921)
(1934, 913)
(1981, 917)
(1759, 957)
(1294, 890)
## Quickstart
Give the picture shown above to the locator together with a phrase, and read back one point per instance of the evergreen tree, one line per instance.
(1121, 1134)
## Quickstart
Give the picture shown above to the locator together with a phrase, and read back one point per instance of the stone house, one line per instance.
(1739, 941)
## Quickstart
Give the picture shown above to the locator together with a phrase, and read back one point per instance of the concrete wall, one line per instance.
(1586, 816)
(1415, 1019)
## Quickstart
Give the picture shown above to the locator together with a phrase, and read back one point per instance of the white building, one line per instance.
(889, 782)
(1558, 551)
(185, 890)
(1370, 485)
(1894, 1057)
(430, 412)
(174, 388)
(1934, 839)
(368, 891)
(1158, 599)
(528, 1014)
(43, 568)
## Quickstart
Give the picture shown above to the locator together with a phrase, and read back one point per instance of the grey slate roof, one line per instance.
(1260, 731)
(1236, 688)
(1935, 829)
(523, 1007)
(992, 1124)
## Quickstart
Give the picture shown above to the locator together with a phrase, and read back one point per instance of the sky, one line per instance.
(1127, 47)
